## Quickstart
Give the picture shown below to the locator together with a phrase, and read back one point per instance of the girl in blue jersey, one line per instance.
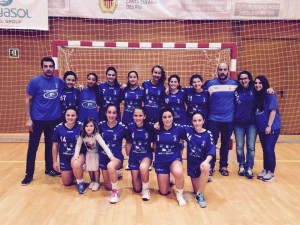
(175, 99)
(268, 125)
(89, 136)
(88, 100)
(168, 157)
(64, 141)
(133, 96)
(197, 99)
(69, 94)
(140, 152)
(113, 132)
(110, 93)
(200, 151)
(154, 90)
(244, 123)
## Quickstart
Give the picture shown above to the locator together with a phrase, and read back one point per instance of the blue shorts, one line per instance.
(104, 160)
(135, 161)
(164, 167)
(65, 162)
(193, 168)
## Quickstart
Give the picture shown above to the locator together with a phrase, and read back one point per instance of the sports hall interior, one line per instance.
(263, 47)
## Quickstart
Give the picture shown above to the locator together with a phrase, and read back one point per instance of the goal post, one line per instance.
(182, 58)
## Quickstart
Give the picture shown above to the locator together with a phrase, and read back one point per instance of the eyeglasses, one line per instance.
(243, 79)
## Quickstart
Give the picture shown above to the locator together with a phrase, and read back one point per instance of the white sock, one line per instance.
(179, 197)
(79, 181)
(114, 186)
(145, 186)
(172, 179)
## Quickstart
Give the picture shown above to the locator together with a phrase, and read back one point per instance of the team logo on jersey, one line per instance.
(108, 6)
(89, 104)
(51, 94)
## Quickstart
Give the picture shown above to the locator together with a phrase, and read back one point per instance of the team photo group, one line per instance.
(88, 127)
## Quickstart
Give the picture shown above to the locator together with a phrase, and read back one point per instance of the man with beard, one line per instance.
(221, 112)
(42, 108)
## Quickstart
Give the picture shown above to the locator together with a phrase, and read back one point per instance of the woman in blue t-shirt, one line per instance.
(113, 132)
(64, 138)
(133, 96)
(175, 99)
(110, 93)
(139, 143)
(244, 123)
(268, 125)
(154, 90)
(88, 100)
(196, 98)
(168, 158)
(200, 151)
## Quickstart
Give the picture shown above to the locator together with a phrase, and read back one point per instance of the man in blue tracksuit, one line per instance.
(42, 108)
(221, 113)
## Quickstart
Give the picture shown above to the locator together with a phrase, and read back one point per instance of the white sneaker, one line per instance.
(180, 199)
(114, 196)
(96, 186)
(146, 195)
(91, 185)
(120, 174)
(150, 168)
(127, 167)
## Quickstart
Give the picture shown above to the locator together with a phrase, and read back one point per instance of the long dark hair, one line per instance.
(95, 87)
(195, 76)
(162, 111)
(70, 73)
(110, 105)
(86, 121)
(262, 95)
(70, 108)
(251, 82)
(128, 83)
(116, 83)
(163, 74)
(177, 78)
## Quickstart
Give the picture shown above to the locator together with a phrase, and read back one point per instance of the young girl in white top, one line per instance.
(89, 135)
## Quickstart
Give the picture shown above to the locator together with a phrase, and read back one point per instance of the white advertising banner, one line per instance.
(177, 9)
(24, 14)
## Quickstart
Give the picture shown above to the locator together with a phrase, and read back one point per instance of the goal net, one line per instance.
(183, 59)
(186, 47)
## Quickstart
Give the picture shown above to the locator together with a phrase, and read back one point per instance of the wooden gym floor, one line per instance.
(230, 200)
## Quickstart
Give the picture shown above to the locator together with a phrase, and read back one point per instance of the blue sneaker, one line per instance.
(209, 180)
(81, 188)
(201, 200)
(26, 180)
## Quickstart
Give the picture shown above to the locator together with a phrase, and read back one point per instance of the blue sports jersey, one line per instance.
(132, 99)
(263, 117)
(113, 138)
(221, 103)
(153, 100)
(87, 105)
(199, 145)
(196, 102)
(140, 139)
(244, 106)
(45, 103)
(68, 98)
(109, 95)
(168, 144)
(66, 138)
(176, 103)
